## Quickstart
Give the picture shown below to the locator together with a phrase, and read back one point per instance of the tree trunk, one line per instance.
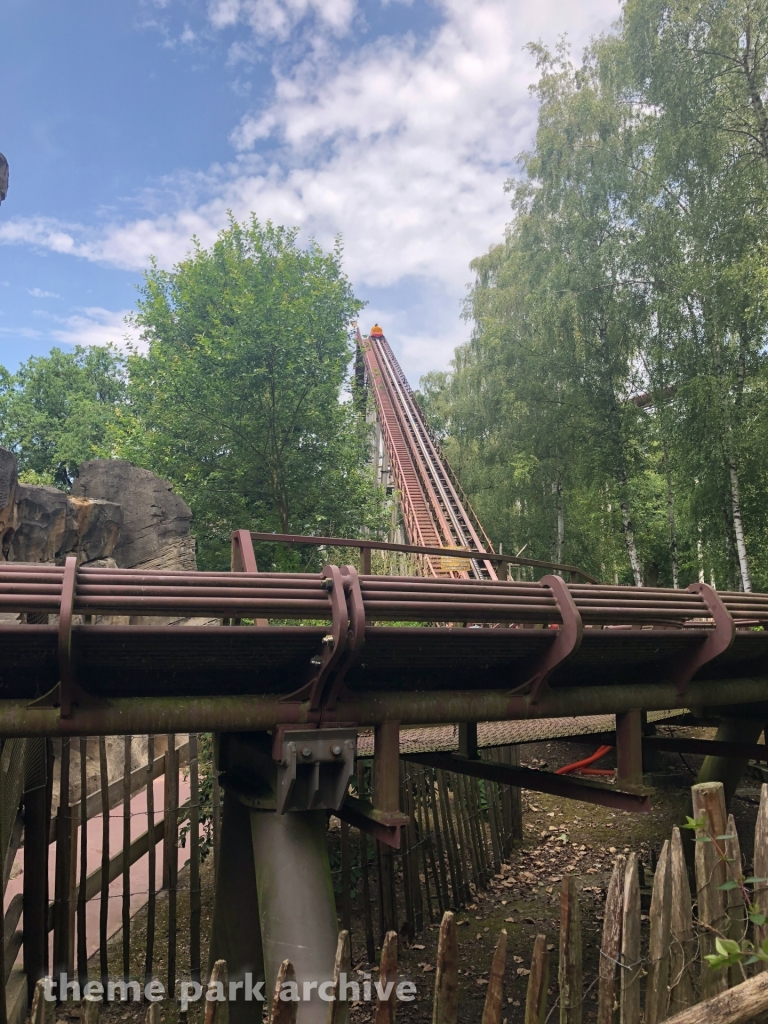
(755, 99)
(738, 526)
(671, 517)
(730, 550)
(700, 554)
(629, 538)
(557, 493)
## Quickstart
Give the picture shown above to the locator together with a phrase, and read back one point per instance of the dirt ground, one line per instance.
(559, 836)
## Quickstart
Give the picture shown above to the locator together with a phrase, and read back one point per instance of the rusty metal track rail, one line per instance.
(432, 510)
(97, 591)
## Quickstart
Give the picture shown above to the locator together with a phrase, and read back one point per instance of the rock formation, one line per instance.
(117, 514)
(155, 528)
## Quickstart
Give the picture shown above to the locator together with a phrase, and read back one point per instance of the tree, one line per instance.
(238, 399)
(59, 410)
(614, 387)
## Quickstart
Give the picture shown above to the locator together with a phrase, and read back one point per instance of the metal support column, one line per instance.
(297, 909)
(468, 740)
(235, 930)
(629, 748)
(386, 767)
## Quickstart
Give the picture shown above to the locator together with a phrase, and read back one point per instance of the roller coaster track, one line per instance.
(435, 510)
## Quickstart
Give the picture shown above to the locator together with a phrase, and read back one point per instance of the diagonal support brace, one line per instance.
(567, 639)
(716, 643)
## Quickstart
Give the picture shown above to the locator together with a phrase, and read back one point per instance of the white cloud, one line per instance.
(401, 146)
(93, 325)
(276, 19)
(38, 293)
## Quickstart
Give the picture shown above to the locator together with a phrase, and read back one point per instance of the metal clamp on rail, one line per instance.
(567, 639)
(314, 767)
(717, 642)
(66, 694)
(341, 647)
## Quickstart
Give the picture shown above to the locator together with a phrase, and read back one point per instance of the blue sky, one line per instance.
(131, 125)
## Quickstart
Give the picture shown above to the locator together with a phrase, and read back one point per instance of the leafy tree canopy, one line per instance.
(58, 410)
(238, 399)
(610, 408)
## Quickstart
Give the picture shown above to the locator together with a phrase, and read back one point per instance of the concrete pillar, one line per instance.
(297, 909)
(274, 896)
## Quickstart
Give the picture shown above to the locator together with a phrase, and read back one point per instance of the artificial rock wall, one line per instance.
(117, 515)
(116, 511)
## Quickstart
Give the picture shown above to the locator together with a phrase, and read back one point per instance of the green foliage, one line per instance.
(238, 399)
(58, 410)
(610, 407)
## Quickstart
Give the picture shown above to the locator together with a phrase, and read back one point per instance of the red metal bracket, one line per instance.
(566, 641)
(382, 825)
(243, 557)
(341, 647)
(715, 644)
(66, 694)
(66, 680)
(355, 636)
(334, 643)
(244, 560)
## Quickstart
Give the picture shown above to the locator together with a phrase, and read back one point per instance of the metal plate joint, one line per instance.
(314, 767)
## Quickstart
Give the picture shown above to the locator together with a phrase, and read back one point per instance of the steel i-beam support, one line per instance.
(629, 748)
(468, 740)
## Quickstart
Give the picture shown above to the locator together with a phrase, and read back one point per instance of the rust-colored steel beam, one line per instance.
(638, 801)
(129, 715)
(366, 544)
(709, 748)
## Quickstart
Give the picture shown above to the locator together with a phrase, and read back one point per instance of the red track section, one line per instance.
(434, 513)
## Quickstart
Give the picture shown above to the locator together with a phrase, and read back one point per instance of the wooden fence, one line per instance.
(54, 935)
(461, 830)
(650, 974)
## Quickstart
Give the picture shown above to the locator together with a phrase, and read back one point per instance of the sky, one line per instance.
(132, 126)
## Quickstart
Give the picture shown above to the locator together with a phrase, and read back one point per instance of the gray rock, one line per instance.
(8, 477)
(40, 521)
(154, 518)
(3, 177)
(93, 528)
(49, 525)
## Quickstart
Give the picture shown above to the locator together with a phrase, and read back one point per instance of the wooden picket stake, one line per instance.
(91, 1010)
(538, 982)
(735, 907)
(43, 1010)
(629, 1003)
(154, 1013)
(683, 948)
(338, 1010)
(495, 991)
(386, 1005)
(217, 1012)
(709, 804)
(760, 868)
(283, 1012)
(445, 1008)
(569, 968)
(657, 986)
(610, 947)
